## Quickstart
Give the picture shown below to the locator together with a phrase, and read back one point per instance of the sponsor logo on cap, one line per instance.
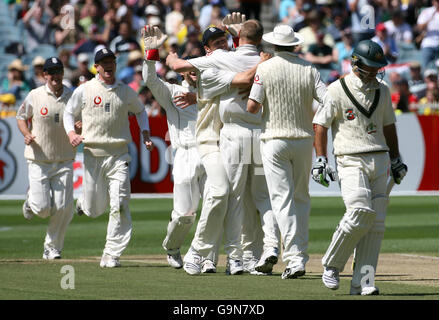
(54, 60)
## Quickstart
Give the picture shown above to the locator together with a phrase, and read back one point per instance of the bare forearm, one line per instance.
(321, 140)
(253, 106)
(179, 65)
(391, 140)
(22, 126)
(244, 79)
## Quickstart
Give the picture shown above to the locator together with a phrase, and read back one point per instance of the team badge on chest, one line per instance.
(350, 115)
(371, 128)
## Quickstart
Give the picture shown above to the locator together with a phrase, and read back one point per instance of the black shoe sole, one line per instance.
(267, 267)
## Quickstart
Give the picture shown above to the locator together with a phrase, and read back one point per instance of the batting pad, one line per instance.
(352, 227)
(368, 248)
(178, 228)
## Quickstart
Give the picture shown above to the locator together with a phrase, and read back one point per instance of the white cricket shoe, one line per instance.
(27, 211)
(51, 254)
(250, 264)
(331, 278)
(108, 261)
(174, 260)
(192, 263)
(234, 267)
(267, 261)
(366, 291)
(293, 272)
(207, 266)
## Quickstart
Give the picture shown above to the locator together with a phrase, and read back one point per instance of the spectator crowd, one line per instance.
(73, 30)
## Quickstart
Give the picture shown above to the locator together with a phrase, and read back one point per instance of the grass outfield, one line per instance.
(412, 230)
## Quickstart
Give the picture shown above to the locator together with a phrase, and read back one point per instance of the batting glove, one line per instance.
(321, 170)
(233, 23)
(153, 38)
(399, 169)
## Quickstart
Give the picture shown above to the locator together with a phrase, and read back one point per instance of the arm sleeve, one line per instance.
(73, 109)
(161, 90)
(320, 87)
(215, 82)
(257, 92)
(25, 111)
(326, 112)
(143, 121)
(423, 18)
(134, 104)
(203, 63)
(389, 114)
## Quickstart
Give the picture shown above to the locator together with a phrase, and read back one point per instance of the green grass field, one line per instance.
(412, 229)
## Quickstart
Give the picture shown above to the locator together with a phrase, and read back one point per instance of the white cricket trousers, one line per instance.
(240, 150)
(50, 194)
(107, 182)
(189, 178)
(363, 183)
(287, 166)
(216, 194)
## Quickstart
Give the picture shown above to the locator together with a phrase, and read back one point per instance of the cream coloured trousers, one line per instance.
(189, 179)
(244, 226)
(50, 194)
(363, 183)
(107, 182)
(216, 194)
(287, 166)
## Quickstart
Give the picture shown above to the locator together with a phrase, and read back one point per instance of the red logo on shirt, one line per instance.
(350, 115)
(44, 111)
(97, 100)
(257, 80)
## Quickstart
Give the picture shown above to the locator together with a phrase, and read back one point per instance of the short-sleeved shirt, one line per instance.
(355, 131)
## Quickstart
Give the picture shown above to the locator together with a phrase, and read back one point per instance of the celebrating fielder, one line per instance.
(359, 112)
(104, 104)
(208, 127)
(285, 87)
(188, 172)
(49, 156)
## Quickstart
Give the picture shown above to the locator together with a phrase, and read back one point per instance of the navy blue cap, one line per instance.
(52, 63)
(103, 53)
(211, 32)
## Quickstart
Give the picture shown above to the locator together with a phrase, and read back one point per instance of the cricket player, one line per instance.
(209, 228)
(49, 156)
(359, 111)
(285, 87)
(239, 146)
(188, 171)
(104, 103)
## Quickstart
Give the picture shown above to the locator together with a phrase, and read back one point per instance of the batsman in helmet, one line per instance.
(359, 111)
